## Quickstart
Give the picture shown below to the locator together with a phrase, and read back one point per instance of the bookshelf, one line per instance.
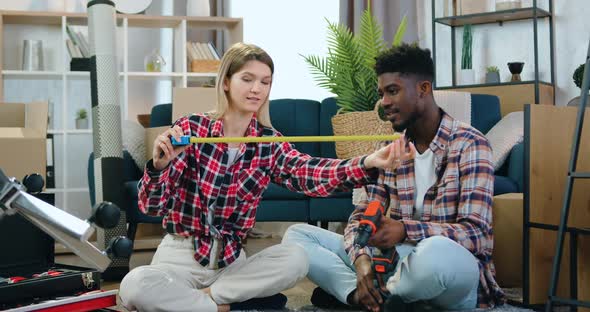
(513, 95)
(67, 91)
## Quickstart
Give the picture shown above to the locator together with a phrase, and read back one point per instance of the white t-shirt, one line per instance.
(425, 177)
(232, 155)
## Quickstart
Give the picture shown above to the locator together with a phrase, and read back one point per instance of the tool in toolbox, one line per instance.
(64, 227)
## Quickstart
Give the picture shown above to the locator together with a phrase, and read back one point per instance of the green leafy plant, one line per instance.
(466, 62)
(492, 69)
(348, 69)
(81, 114)
(579, 75)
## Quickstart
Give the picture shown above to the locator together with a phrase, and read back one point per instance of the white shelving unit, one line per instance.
(67, 91)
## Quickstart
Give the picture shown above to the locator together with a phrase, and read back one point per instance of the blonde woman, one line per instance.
(208, 194)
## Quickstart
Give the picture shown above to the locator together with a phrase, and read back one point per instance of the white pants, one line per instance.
(173, 279)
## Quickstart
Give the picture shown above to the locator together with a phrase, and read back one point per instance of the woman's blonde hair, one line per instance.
(233, 60)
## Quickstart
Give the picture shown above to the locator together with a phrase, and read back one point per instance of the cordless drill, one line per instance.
(384, 260)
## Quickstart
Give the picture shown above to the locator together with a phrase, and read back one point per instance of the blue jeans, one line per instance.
(437, 270)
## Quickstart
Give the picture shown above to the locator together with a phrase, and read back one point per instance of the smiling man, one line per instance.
(439, 217)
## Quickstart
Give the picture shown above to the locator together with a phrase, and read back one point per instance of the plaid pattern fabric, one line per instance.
(458, 205)
(201, 178)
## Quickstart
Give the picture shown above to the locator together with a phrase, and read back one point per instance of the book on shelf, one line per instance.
(84, 43)
(79, 40)
(213, 51)
(73, 50)
(50, 169)
(201, 51)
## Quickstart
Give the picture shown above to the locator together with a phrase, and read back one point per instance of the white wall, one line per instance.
(497, 45)
(285, 29)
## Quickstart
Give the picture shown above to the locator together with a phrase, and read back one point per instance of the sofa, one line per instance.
(304, 117)
(298, 117)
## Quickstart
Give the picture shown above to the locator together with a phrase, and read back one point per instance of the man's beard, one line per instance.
(408, 122)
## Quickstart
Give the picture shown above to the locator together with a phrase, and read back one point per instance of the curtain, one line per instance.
(388, 13)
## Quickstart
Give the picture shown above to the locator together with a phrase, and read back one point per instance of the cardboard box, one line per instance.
(192, 100)
(23, 138)
(467, 7)
(507, 214)
(184, 101)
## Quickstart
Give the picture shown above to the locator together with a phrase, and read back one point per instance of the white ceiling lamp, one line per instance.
(131, 6)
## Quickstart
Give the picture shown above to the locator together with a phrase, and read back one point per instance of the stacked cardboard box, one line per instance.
(23, 137)
(184, 101)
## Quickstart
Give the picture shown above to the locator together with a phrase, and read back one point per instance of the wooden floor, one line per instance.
(298, 295)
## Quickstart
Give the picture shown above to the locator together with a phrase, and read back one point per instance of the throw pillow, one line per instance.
(359, 195)
(133, 136)
(504, 136)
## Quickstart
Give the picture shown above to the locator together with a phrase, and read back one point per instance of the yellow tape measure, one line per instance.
(184, 140)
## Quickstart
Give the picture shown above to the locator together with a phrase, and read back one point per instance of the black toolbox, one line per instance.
(27, 251)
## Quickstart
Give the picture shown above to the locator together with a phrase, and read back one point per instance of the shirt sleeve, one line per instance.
(156, 188)
(315, 176)
(474, 214)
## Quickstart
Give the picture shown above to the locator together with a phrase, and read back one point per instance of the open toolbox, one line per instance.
(28, 273)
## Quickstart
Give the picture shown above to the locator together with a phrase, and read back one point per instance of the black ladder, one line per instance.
(572, 174)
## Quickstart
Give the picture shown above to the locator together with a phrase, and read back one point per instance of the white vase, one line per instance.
(576, 101)
(82, 123)
(75, 5)
(55, 5)
(198, 8)
(466, 77)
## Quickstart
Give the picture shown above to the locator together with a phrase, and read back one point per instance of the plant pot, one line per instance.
(502, 5)
(493, 77)
(576, 101)
(515, 69)
(198, 8)
(466, 77)
(82, 123)
(358, 123)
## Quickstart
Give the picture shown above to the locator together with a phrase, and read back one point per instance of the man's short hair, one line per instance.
(406, 59)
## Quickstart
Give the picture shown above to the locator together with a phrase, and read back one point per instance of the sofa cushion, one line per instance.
(485, 111)
(328, 108)
(330, 209)
(516, 165)
(503, 185)
(130, 173)
(275, 191)
(283, 210)
(297, 117)
(161, 115)
(133, 213)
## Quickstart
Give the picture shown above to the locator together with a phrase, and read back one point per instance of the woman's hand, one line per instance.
(163, 151)
(390, 156)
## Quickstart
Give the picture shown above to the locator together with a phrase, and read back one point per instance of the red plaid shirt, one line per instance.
(201, 177)
(458, 205)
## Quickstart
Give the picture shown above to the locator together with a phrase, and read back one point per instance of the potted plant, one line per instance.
(81, 119)
(579, 75)
(492, 74)
(348, 72)
(466, 76)
(578, 78)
